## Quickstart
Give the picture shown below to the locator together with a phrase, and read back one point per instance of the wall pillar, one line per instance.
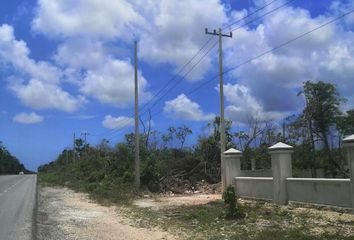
(253, 164)
(348, 143)
(232, 161)
(281, 169)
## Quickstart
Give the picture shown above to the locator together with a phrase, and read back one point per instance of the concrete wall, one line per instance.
(256, 173)
(281, 187)
(306, 173)
(319, 191)
(254, 187)
(301, 173)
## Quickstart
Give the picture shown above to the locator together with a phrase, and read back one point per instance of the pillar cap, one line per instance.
(281, 147)
(232, 151)
(349, 139)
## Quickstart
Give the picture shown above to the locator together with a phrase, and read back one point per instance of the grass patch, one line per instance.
(264, 221)
(106, 192)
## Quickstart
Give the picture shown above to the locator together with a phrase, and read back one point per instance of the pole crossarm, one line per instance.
(215, 33)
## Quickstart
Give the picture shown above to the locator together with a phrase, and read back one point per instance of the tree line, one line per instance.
(10, 164)
(315, 133)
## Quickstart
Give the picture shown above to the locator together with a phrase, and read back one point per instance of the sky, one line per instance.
(67, 67)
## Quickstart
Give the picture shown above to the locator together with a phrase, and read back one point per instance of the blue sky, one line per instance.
(66, 66)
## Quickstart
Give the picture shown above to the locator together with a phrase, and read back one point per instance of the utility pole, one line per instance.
(85, 141)
(85, 136)
(74, 148)
(222, 118)
(137, 157)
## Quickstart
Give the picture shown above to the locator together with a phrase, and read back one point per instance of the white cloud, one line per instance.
(36, 84)
(114, 83)
(93, 18)
(183, 108)
(169, 31)
(172, 32)
(28, 118)
(243, 107)
(40, 95)
(16, 53)
(177, 32)
(274, 79)
(117, 122)
(107, 79)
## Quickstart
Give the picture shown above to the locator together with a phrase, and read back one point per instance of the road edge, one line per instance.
(34, 214)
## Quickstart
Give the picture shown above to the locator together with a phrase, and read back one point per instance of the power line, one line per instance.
(183, 77)
(263, 54)
(243, 25)
(208, 41)
(260, 17)
(249, 15)
(204, 55)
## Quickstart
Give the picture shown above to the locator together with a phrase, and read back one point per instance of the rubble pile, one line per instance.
(174, 185)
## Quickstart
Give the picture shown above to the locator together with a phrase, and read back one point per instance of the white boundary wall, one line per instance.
(334, 192)
(282, 187)
(254, 187)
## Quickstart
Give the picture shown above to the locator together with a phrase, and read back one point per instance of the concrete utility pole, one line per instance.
(85, 141)
(222, 119)
(85, 136)
(74, 148)
(137, 157)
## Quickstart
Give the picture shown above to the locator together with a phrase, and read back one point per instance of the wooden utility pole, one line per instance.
(137, 157)
(222, 118)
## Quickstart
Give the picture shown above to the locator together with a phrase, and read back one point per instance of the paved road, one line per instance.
(17, 201)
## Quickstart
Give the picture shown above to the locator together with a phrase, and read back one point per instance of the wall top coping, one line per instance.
(349, 139)
(255, 178)
(320, 179)
(280, 146)
(232, 151)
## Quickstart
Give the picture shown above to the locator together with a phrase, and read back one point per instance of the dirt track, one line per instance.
(66, 215)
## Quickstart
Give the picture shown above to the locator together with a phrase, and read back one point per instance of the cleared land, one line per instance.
(264, 220)
(65, 215)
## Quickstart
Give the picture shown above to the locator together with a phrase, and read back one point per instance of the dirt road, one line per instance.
(66, 215)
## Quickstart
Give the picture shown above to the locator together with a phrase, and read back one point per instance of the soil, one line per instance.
(66, 215)
(175, 200)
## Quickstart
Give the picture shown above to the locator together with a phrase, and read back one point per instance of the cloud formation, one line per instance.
(36, 84)
(93, 36)
(274, 79)
(183, 108)
(28, 118)
(111, 122)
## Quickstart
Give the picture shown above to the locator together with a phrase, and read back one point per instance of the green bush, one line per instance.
(229, 198)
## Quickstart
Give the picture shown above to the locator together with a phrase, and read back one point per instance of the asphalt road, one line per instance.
(17, 201)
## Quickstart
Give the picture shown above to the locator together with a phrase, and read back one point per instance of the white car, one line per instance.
(21, 173)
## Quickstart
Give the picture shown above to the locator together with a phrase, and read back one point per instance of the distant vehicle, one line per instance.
(21, 173)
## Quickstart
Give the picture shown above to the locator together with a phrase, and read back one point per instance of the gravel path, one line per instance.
(66, 215)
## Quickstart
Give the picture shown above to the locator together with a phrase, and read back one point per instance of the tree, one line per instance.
(321, 111)
(8, 163)
(345, 123)
(182, 133)
(168, 137)
(215, 124)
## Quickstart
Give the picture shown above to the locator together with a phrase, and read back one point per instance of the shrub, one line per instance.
(229, 198)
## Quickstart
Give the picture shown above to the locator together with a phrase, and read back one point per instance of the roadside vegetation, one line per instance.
(169, 164)
(263, 221)
(10, 164)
